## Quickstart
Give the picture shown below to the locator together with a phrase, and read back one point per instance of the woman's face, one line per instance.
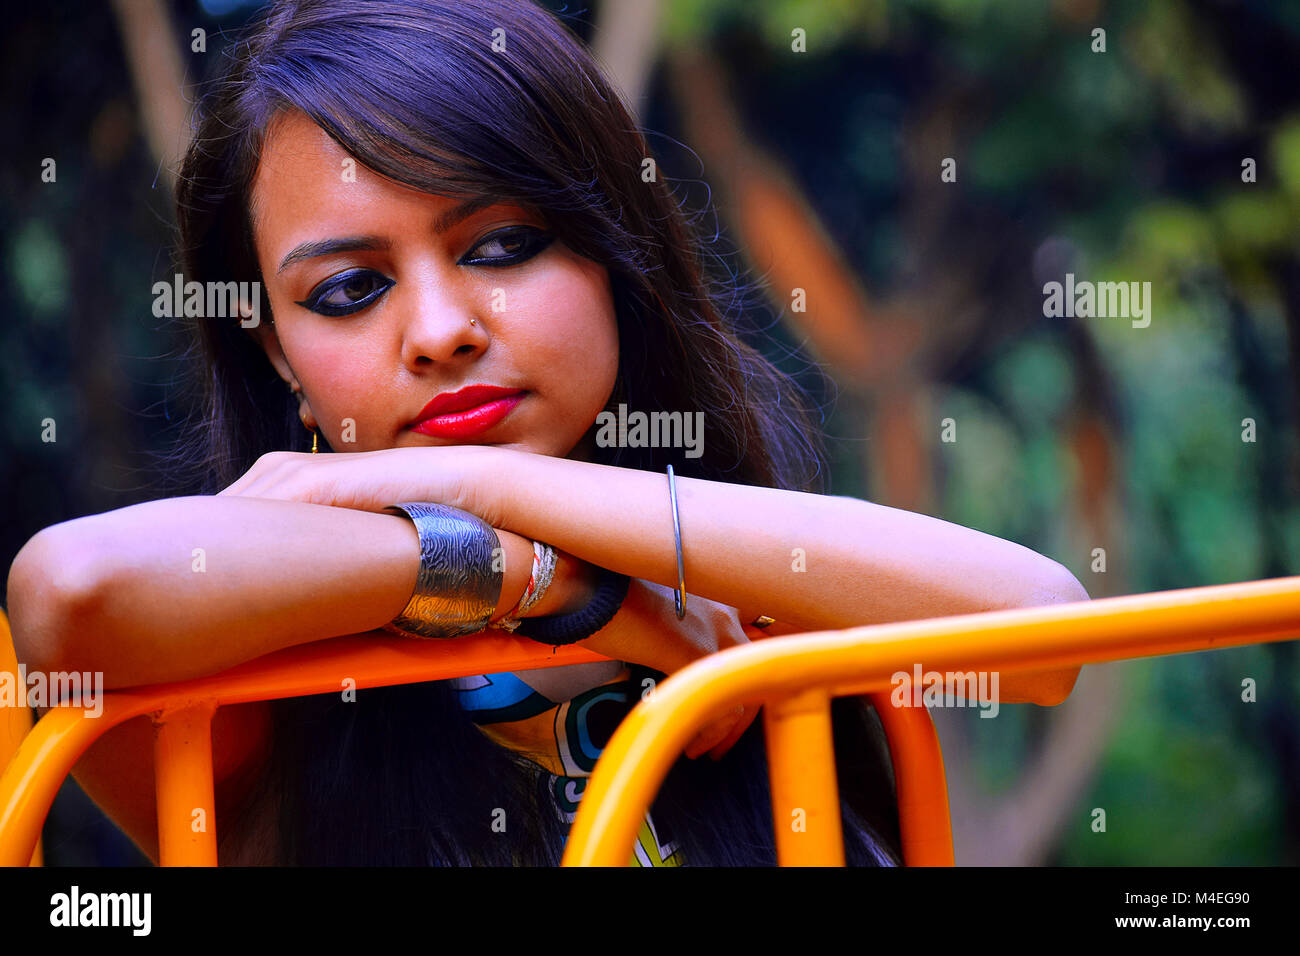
(377, 311)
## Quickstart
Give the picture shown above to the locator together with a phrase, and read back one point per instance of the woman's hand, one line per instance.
(372, 480)
(646, 631)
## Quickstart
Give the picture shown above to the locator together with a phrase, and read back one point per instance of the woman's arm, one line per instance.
(813, 562)
(181, 587)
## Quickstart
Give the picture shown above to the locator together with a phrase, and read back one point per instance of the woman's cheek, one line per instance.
(346, 405)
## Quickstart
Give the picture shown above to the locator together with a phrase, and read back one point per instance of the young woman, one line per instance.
(462, 265)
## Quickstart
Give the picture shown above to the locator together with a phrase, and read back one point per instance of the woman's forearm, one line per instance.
(813, 561)
(181, 587)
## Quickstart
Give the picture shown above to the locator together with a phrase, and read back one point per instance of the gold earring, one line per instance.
(313, 441)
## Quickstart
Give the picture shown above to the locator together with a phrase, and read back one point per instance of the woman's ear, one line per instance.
(265, 335)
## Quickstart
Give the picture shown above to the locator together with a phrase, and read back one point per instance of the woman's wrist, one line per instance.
(517, 558)
(482, 486)
(572, 587)
(486, 492)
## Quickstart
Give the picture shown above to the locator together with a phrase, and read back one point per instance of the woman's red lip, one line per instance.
(467, 398)
(470, 421)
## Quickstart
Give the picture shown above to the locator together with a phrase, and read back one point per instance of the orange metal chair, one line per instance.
(15, 722)
(182, 715)
(794, 676)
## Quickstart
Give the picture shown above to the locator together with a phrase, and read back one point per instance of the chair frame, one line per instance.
(794, 677)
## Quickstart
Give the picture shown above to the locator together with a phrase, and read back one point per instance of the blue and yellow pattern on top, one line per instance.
(564, 739)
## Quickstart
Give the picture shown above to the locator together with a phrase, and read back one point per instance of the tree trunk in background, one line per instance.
(625, 42)
(149, 44)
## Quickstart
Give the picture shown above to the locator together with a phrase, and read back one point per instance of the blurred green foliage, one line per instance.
(1131, 161)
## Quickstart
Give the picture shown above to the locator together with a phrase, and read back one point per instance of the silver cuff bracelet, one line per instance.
(459, 582)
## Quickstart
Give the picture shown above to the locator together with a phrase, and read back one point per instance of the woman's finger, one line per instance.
(741, 725)
(715, 733)
(708, 738)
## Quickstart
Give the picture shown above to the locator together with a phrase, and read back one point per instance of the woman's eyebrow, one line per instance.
(325, 247)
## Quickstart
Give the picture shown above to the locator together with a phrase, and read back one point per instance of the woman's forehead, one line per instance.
(300, 160)
(306, 183)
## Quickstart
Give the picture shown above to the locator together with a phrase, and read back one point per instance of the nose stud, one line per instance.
(473, 322)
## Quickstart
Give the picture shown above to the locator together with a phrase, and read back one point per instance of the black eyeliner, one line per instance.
(313, 301)
(536, 240)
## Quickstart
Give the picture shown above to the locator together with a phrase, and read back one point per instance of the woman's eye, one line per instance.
(516, 245)
(353, 291)
(346, 293)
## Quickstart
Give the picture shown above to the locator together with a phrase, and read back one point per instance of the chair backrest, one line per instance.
(30, 775)
(182, 714)
(795, 678)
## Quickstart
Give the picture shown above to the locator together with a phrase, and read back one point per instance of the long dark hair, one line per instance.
(417, 92)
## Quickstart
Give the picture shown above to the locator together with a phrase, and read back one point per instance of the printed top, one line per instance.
(562, 732)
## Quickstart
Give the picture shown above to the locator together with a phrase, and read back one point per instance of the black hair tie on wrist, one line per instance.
(558, 629)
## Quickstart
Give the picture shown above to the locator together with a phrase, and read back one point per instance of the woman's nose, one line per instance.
(441, 324)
